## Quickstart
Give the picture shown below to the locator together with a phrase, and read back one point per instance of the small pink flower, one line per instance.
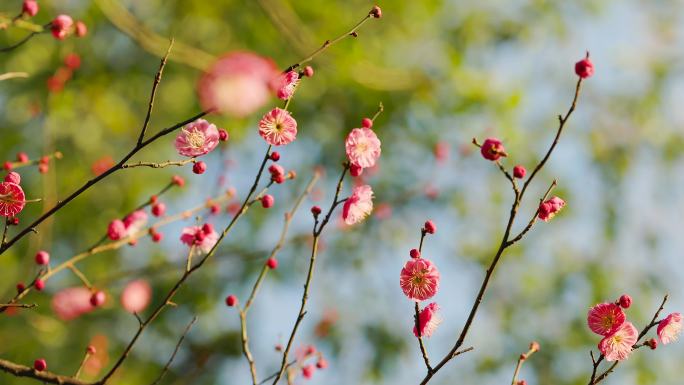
(670, 328)
(618, 345)
(605, 318)
(492, 149)
(12, 199)
(549, 208)
(72, 302)
(135, 222)
(428, 320)
(116, 230)
(278, 127)
(30, 8)
(238, 84)
(419, 279)
(308, 371)
(136, 296)
(197, 138)
(362, 147)
(287, 84)
(13, 177)
(60, 26)
(81, 29)
(204, 238)
(358, 206)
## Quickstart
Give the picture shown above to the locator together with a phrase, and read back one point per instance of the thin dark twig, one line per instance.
(157, 80)
(312, 264)
(160, 164)
(175, 351)
(281, 241)
(20, 42)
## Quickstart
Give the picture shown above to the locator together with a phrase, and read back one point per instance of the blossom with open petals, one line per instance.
(72, 302)
(287, 83)
(549, 208)
(428, 320)
(419, 279)
(136, 296)
(204, 238)
(358, 206)
(618, 345)
(605, 318)
(135, 221)
(670, 328)
(238, 84)
(197, 138)
(362, 147)
(12, 199)
(278, 127)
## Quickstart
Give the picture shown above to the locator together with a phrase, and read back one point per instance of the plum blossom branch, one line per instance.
(13, 75)
(534, 347)
(595, 379)
(262, 274)
(187, 273)
(175, 351)
(120, 165)
(113, 245)
(153, 93)
(426, 359)
(375, 12)
(504, 243)
(312, 264)
(44, 376)
(161, 164)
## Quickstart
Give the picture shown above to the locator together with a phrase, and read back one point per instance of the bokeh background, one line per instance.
(446, 71)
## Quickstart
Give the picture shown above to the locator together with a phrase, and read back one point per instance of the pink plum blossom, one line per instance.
(278, 127)
(204, 238)
(670, 328)
(428, 320)
(549, 208)
(419, 279)
(135, 222)
(12, 199)
(605, 318)
(116, 230)
(358, 206)
(136, 296)
(287, 83)
(618, 345)
(362, 147)
(238, 84)
(197, 138)
(61, 26)
(72, 302)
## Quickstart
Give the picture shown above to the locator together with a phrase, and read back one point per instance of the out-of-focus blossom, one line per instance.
(136, 296)
(238, 84)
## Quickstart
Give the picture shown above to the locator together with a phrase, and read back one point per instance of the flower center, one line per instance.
(196, 138)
